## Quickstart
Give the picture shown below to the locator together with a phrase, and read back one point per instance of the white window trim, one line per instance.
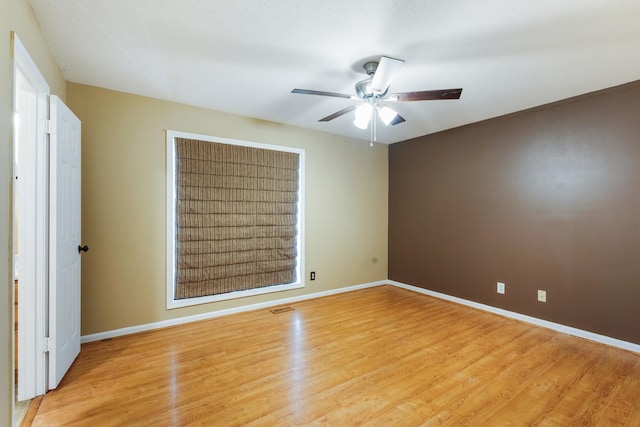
(171, 232)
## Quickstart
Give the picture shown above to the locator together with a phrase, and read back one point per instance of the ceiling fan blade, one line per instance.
(426, 95)
(339, 113)
(397, 120)
(387, 69)
(322, 93)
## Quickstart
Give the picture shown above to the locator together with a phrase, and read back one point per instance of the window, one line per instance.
(234, 218)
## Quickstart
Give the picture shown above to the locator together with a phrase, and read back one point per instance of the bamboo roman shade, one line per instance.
(236, 217)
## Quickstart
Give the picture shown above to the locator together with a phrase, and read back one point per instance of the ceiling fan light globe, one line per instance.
(363, 115)
(364, 110)
(387, 115)
(361, 122)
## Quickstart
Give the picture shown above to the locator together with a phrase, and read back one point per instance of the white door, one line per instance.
(64, 243)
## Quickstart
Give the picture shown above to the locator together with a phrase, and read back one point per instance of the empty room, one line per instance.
(333, 213)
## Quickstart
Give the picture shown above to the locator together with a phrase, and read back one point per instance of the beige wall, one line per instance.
(123, 206)
(16, 16)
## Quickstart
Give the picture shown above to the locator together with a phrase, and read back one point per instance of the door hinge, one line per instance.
(46, 344)
(47, 126)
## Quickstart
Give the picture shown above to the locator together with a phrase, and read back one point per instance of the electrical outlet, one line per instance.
(500, 288)
(542, 296)
(312, 276)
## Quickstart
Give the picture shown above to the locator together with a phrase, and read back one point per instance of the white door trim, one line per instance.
(32, 299)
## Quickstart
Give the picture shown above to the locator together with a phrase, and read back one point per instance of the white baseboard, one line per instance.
(603, 339)
(210, 315)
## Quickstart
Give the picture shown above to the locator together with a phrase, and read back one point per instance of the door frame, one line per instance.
(33, 310)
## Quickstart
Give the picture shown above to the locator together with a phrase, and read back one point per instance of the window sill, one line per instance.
(188, 302)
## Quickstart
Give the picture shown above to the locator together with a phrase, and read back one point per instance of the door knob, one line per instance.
(84, 248)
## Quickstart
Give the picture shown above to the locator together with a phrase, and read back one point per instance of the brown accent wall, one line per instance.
(544, 199)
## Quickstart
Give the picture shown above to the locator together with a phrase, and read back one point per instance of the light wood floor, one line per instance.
(376, 357)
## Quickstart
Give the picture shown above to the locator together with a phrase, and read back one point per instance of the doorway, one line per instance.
(46, 233)
(30, 201)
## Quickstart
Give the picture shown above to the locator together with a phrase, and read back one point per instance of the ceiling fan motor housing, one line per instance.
(363, 87)
(364, 91)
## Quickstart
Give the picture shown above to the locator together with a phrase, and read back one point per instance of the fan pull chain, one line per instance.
(374, 123)
(373, 137)
(371, 131)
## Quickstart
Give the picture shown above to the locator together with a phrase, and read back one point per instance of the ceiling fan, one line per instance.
(373, 90)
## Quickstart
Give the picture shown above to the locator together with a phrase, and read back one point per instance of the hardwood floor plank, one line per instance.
(378, 356)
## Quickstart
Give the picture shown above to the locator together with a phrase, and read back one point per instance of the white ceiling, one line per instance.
(245, 56)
